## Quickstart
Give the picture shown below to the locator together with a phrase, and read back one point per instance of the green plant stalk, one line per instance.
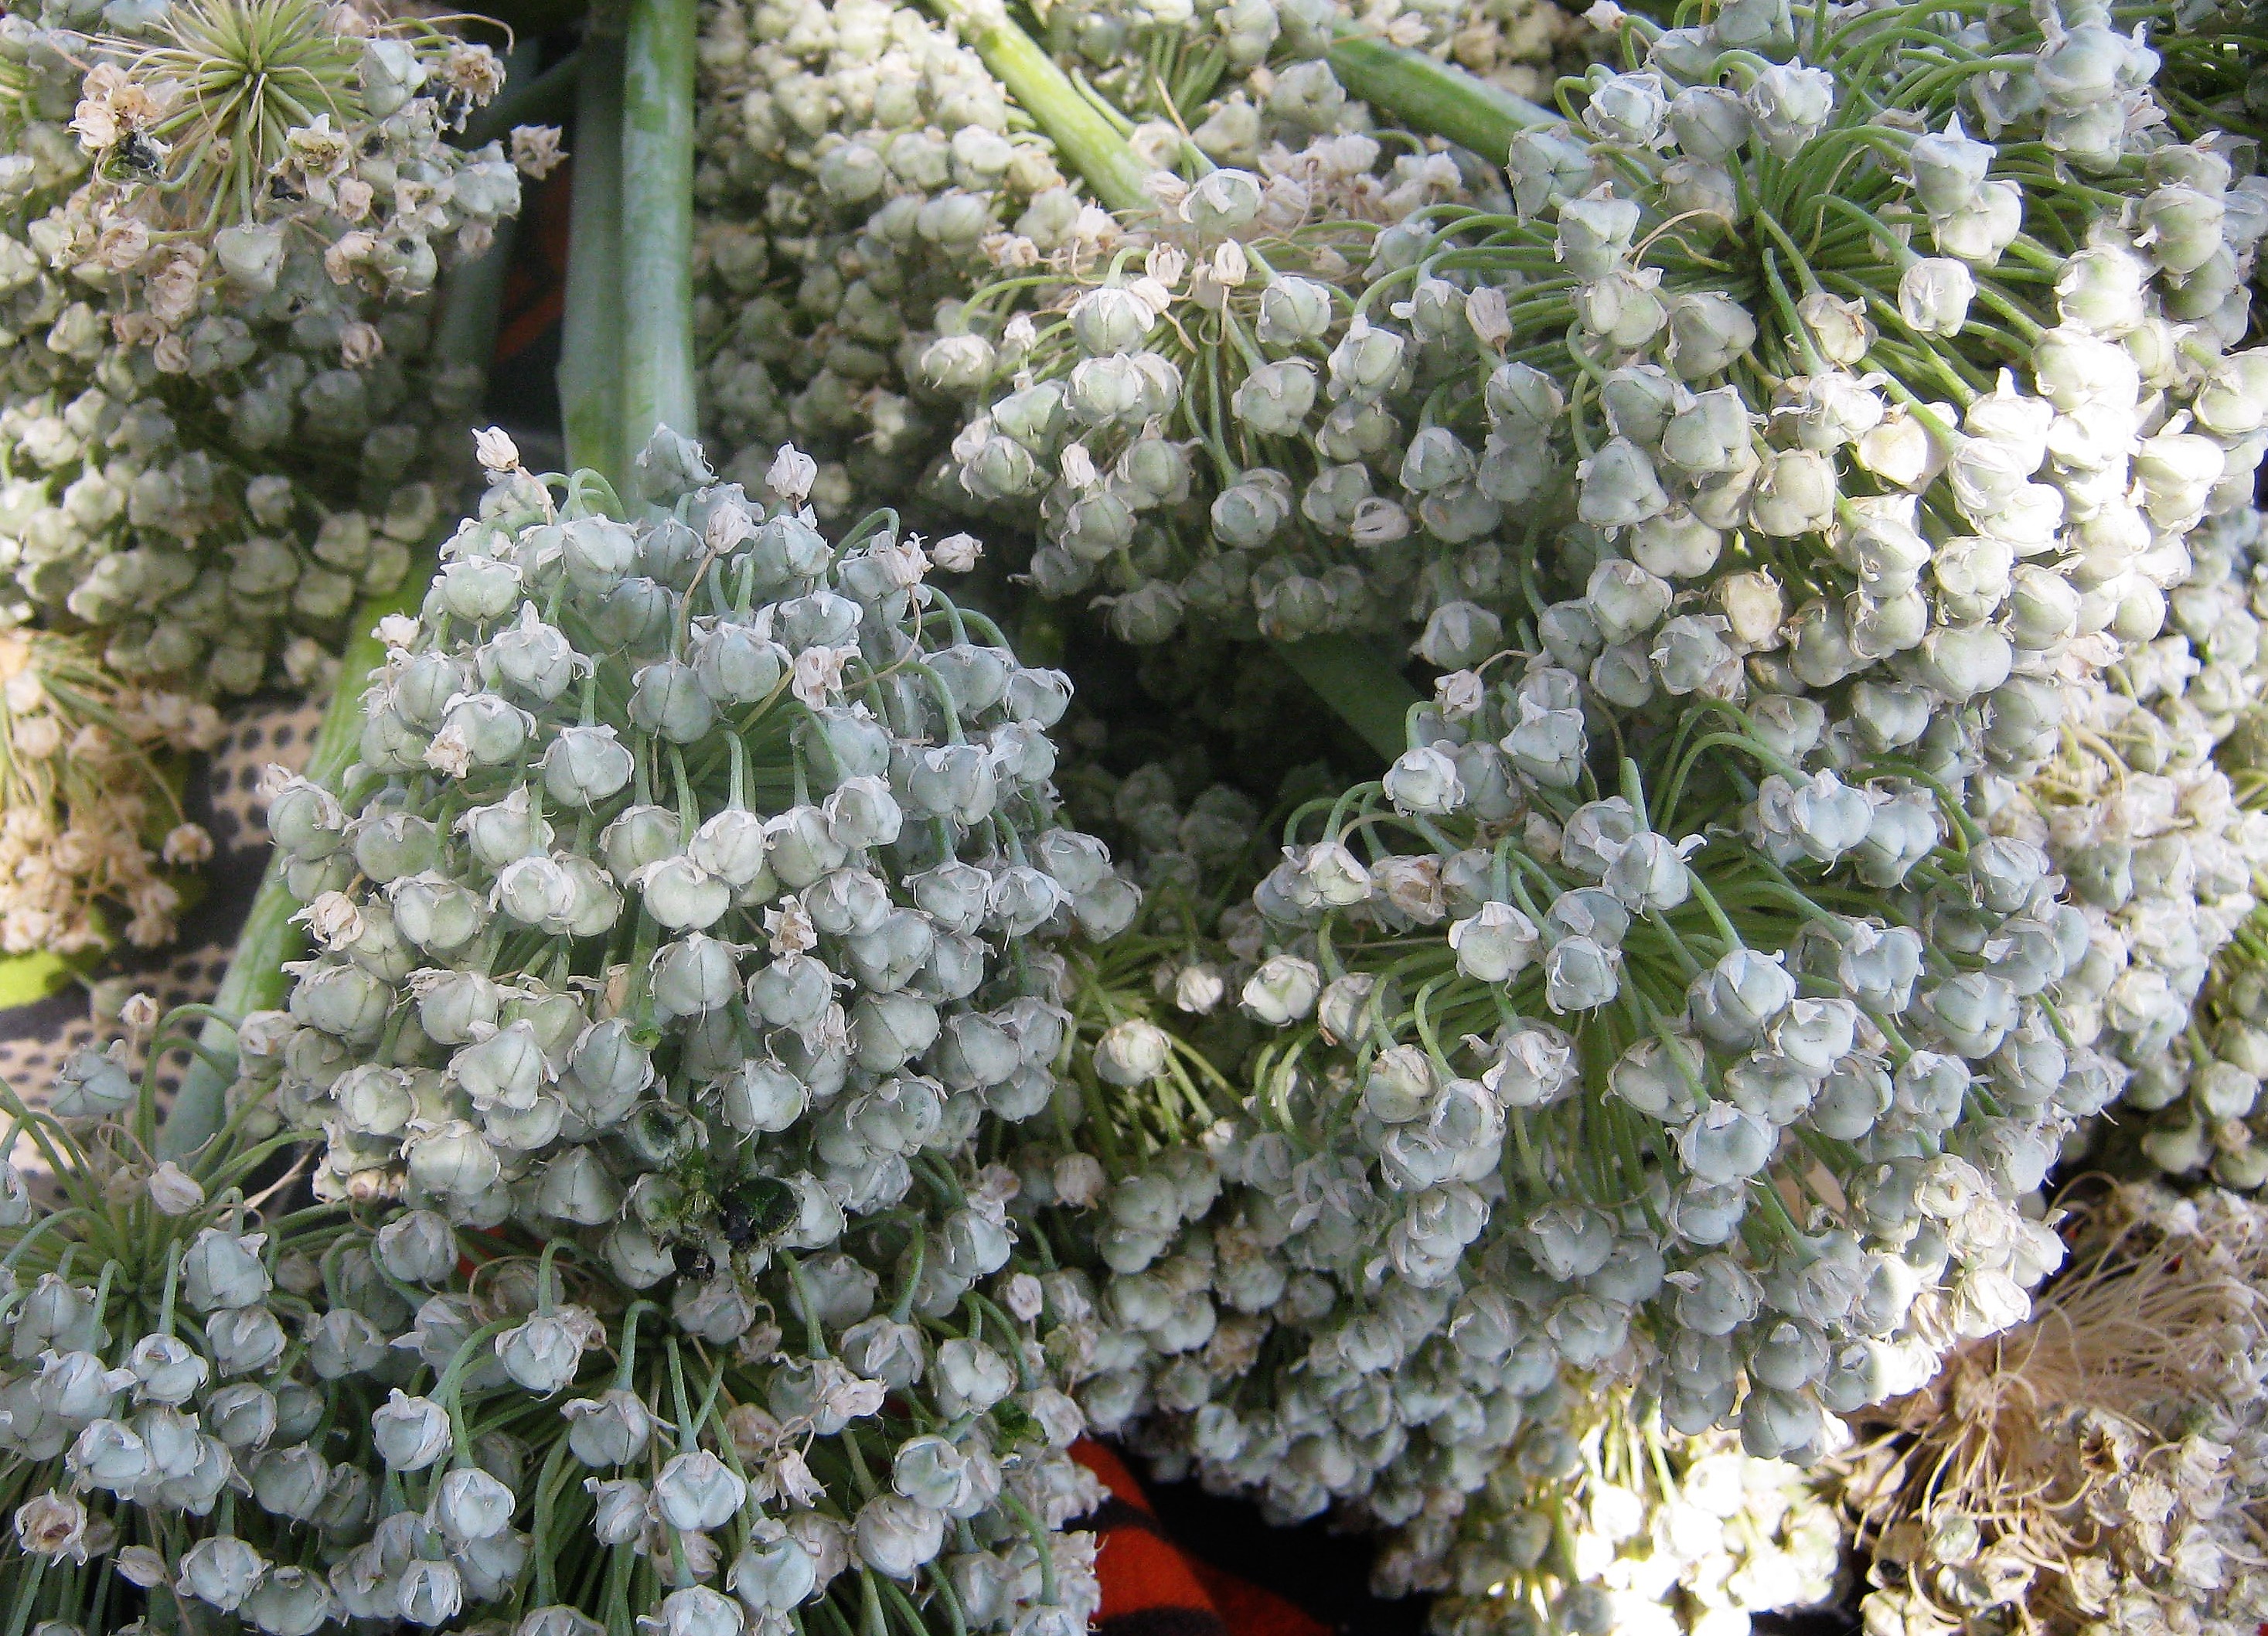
(657, 222)
(255, 980)
(1081, 135)
(1437, 98)
(591, 349)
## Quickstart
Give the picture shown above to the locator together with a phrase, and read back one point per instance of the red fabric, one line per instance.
(1142, 1572)
(1250, 1610)
(1151, 1587)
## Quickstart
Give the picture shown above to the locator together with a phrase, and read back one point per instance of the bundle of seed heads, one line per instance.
(220, 231)
(2104, 1462)
(223, 131)
(2151, 810)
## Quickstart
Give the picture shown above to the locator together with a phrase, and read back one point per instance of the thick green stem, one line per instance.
(657, 221)
(1361, 684)
(1082, 137)
(1437, 98)
(591, 349)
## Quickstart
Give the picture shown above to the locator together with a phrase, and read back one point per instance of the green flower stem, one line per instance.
(657, 222)
(1437, 98)
(20, 1615)
(687, 1429)
(1091, 143)
(870, 1601)
(591, 359)
(1041, 1546)
(549, 1486)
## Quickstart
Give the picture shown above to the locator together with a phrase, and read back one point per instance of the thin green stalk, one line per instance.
(1084, 137)
(657, 222)
(591, 354)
